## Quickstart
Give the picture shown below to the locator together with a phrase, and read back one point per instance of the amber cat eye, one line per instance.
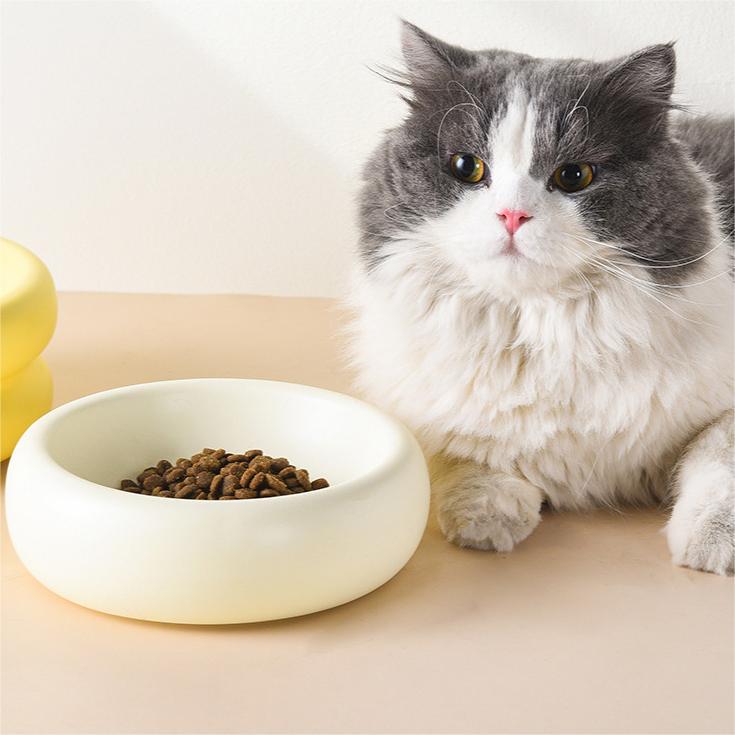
(467, 167)
(573, 177)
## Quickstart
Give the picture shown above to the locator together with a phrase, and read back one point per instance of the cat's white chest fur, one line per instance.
(589, 395)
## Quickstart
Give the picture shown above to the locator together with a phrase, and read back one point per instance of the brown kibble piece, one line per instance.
(163, 467)
(216, 484)
(128, 483)
(236, 458)
(204, 479)
(166, 494)
(146, 473)
(258, 481)
(229, 485)
(202, 496)
(236, 469)
(227, 497)
(184, 463)
(185, 491)
(261, 464)
(246, 477)
(268, 493)
(206, 464)
(175, 475)
(151, 481)
(275, 484)
(303, 477)
(288, 471)
(252, 454)
(319, 484)
(278, 464)
(245, 494)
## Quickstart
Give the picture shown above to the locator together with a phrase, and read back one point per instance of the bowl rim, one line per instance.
(38, 432)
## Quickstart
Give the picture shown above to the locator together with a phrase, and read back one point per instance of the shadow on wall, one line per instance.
(179, 172)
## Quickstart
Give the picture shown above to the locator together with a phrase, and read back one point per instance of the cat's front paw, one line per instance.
(485, 510)
(703, 537)
(701, 531)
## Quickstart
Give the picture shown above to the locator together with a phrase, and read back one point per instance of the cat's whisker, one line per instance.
(659, 287)
(673, 263)
(726, 236)
(649, 285)
(671, 285)
(641, 286)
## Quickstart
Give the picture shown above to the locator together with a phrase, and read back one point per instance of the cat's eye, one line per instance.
(467, 167)
(573, 177)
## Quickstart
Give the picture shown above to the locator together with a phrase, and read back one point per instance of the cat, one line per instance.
(544, 292)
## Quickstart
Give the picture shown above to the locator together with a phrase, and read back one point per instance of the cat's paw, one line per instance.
(703, 537)
(481, 509)
(701, 531)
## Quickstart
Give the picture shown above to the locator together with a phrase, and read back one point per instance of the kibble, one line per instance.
(214, 474)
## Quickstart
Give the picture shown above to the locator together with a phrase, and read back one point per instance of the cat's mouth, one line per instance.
(510, 249)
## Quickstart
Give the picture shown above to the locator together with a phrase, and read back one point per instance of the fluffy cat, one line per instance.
(544, 292)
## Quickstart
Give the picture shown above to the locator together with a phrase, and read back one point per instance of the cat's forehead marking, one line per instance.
(511, 138)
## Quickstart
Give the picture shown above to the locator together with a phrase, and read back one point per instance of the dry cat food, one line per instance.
(213, 474)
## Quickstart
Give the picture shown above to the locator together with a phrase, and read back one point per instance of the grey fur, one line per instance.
(710, 142)
(647, 195)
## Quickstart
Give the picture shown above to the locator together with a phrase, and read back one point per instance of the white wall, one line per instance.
(215, 147)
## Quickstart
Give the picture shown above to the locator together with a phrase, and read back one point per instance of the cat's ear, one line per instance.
(427, 58)
(639, 86)
(648, 73)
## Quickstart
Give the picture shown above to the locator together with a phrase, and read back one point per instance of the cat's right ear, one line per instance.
(429, 59)
(430, 64)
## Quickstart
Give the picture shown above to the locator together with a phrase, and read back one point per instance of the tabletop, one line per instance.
(586, 627)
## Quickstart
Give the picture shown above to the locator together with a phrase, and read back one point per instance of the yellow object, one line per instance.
(27, 321)
(24, 397)
(28, 304)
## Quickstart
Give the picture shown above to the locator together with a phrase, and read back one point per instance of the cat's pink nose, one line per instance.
(513, 219)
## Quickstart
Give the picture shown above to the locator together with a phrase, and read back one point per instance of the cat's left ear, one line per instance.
(641, 85)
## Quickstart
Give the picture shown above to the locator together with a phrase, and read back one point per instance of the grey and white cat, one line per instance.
(545, 295)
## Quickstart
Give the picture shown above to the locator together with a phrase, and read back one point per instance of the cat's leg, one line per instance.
(482, 508)
(701, 532)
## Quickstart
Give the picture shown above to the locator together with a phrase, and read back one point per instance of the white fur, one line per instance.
(484, 509)
(582, 383)
(700, 531)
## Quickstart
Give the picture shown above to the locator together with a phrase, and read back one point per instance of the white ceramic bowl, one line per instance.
(189, 561)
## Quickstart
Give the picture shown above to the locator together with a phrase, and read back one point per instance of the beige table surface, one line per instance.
(585, 628)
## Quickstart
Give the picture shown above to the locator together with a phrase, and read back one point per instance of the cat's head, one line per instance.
(513, 173)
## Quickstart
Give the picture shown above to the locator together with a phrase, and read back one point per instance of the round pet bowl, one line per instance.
(196, 561)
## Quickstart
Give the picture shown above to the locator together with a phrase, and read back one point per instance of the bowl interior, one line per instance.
(115, 435)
